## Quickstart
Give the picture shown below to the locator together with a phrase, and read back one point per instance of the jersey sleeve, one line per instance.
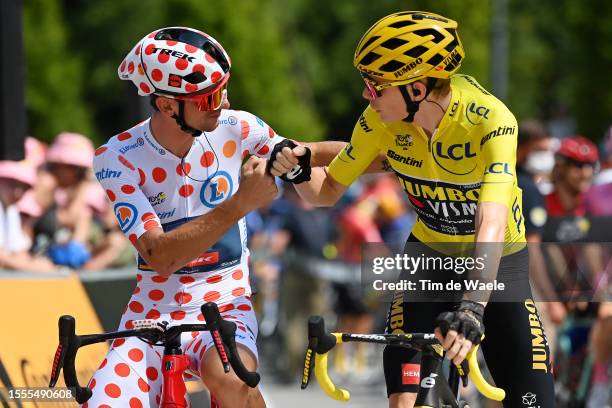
(121, 181)
(257, 136)
(498, 149)
(355, 158)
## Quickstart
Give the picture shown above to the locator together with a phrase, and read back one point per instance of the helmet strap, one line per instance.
(412, 107)
(180, 120)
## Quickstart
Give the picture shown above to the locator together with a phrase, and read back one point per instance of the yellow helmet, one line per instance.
(410, 45)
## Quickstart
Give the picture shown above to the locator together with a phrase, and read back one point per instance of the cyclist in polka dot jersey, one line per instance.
(178, 190)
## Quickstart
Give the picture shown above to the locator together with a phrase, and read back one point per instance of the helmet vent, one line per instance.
(435, 60)
(370, 41)
(393, 43)
(195, 77)
(400, 24)
(430, 31)
(392, 66)
(452, 45)
(416, 52)
(370, 58)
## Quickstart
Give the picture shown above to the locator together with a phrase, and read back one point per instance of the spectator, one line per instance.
(535, 159)
(597, 204)
(572, 176)
(15, 178)
(64, 228)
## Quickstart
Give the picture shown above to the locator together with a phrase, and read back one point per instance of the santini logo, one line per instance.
(107, 173)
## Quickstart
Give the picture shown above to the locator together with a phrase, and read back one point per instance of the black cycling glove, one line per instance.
(466, 320)
(301, 171)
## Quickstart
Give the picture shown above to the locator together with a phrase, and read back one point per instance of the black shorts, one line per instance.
(515, 346)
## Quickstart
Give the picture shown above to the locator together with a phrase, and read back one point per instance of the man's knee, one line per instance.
(218, 382)
(402, 400)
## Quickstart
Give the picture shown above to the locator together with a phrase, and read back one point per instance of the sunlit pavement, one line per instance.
(281, 396)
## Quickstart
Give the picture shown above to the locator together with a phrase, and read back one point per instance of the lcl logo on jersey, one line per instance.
(126, 214)
(216, 189)
(475, 113)
(454, 158)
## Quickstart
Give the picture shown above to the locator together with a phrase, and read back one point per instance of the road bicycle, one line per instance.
(435, 390)
(174, 362)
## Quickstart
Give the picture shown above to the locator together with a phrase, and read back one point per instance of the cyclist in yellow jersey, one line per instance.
(452, 146)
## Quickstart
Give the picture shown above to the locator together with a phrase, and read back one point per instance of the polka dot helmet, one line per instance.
(175, 62)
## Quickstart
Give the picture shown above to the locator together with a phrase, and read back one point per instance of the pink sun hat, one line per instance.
(71, 148)
(23, 171)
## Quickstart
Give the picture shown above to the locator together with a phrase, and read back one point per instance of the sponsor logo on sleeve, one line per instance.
(499, 168)
(364, 124)
(500, 131)
(105, 173)
(126, 214)
(476, 113)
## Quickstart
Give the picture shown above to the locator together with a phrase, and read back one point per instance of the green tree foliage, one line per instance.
(54, 73)
(292, 59)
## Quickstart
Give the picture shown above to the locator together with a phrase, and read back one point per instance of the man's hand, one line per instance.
(290, 161)
(257, 187)
(457, 331)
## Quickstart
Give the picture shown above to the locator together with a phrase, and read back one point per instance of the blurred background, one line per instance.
(291, 66)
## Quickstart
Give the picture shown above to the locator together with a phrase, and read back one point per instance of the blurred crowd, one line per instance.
(54, 214)
(306, 260)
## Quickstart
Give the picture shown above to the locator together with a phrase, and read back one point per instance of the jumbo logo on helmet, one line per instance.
(126, 214)
(216, 189)
(408, 67)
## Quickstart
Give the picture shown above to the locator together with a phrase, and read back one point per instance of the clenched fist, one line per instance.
(257, 187)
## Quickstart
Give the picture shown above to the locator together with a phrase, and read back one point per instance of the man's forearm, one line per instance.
(321, 190)
(489, 240)
(322, 153)
(173, 250)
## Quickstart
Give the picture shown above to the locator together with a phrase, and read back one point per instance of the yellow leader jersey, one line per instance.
(470, 158)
